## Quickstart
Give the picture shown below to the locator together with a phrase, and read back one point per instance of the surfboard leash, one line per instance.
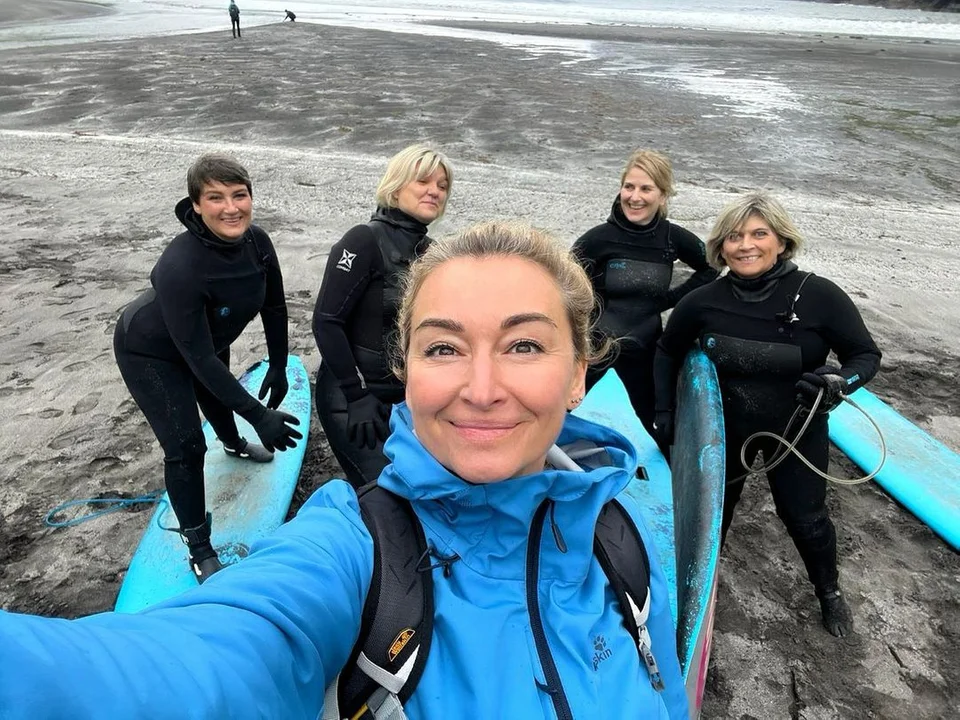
(109, 505)
(791, 447)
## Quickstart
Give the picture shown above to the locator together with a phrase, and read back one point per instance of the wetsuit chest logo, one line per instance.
(223, 312)
(617, 265)
(346, 261)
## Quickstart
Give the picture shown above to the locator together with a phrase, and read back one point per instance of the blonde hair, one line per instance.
(507, 238)
(658, 167)
(734, 215)
(415, 162)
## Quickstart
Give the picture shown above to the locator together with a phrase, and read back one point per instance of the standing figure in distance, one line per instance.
(768, 328)
(234, 18)
(172, 344)
(630, 261)
(356, 310)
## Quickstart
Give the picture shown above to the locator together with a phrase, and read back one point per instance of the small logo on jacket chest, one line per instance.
(617, 265)
(602, 651)
(223, 311)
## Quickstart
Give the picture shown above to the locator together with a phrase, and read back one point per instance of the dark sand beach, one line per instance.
(858, 137)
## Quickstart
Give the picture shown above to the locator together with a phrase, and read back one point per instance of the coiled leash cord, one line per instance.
(791, 447)
(109, 505)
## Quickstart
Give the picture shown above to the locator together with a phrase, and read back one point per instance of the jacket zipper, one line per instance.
(554, 687)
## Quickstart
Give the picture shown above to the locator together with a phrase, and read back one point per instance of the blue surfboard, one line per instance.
(683, 507)
(921, 472)
(248, 500)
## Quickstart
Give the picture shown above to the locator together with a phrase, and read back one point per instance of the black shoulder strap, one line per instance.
(398, 612)
(623, 557)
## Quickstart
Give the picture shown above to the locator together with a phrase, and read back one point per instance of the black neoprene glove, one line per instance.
(275, 431)
(663, 428)
(367, 421)
(826, 378)
(276, 382)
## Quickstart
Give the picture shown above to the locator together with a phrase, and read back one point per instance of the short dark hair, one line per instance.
(216, 167)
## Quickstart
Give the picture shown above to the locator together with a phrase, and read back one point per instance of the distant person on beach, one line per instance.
(630, 259)
(768, 328)
(357, 306)
(172, 343)
(508, 489)
(234, 18)
(291, 16)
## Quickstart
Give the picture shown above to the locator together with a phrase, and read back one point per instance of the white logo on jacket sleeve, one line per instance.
(346, 262)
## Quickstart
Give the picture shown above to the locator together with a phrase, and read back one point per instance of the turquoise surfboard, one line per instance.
(920, 472)
(248, 500)
(683, 507)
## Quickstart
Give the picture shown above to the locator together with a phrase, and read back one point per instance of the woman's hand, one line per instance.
(275, 430)
(826, 378)
(276, 382)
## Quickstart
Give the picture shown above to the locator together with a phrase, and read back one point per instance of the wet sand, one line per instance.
(95, 140)
(16, 12)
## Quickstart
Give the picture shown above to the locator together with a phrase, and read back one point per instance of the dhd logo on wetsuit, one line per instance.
(346, 261)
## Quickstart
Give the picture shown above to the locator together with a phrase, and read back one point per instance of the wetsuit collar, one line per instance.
(758, 289)
(620, 220)
(192, 222)
(398, 218)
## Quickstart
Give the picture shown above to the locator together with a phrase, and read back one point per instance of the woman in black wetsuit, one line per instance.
(630, 262)
(172, 344)
(356, 310)
(768, 328)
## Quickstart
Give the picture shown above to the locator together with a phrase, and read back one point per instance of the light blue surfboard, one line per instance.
(682, 508)
(921, 472)
(248, 500)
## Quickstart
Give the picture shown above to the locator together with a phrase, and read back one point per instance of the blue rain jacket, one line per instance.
(264, 638)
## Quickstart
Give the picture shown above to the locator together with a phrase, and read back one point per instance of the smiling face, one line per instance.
(424, 198)
(226, 210)
(491, 370)
(640, 198)
(752, 249)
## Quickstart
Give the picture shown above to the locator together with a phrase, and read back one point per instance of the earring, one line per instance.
(576, 401)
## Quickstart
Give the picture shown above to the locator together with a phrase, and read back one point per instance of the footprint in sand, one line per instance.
(87, 403)
(49, 413)
(71, 437)
(73, 367)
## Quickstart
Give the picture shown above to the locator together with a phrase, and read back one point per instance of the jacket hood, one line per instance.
(194, 223)
(618, 219)
(487, 525)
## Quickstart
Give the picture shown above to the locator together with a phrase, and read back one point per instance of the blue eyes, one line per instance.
(520, 347)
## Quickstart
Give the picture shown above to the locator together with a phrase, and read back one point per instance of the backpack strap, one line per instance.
(622, 555)
(397, 623)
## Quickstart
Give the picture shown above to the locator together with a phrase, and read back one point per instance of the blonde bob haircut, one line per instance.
(506, 239)
(734, 215)
(658, 167)
(415, 162)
